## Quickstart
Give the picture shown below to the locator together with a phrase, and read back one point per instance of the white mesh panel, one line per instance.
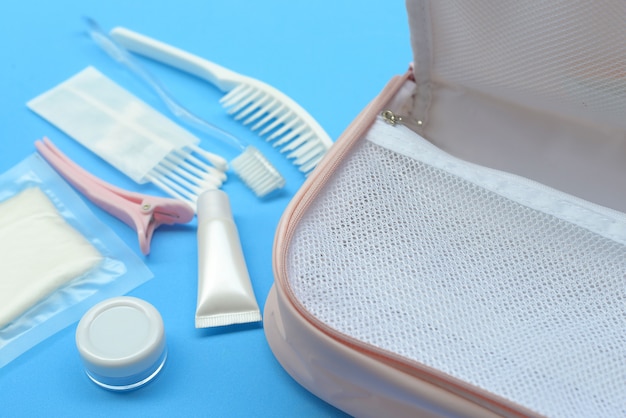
(403, 255)
(565, 56)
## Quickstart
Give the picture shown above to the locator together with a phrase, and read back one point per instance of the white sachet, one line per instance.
(39, 252)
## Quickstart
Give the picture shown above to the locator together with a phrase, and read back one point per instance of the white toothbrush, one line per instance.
(250, 165)
(266, 109)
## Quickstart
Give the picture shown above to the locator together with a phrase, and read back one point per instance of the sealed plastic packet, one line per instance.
(56, 258)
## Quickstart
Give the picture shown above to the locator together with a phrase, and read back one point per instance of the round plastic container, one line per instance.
(122, 343)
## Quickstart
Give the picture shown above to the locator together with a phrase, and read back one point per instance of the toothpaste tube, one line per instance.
(225, 294)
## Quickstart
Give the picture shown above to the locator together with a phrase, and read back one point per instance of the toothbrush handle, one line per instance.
(223, 78)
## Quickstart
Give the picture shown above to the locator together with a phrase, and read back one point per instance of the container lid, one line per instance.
(213, 204)
(122, 343)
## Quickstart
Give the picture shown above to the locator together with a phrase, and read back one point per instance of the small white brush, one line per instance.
(265, 108)
(250, 165)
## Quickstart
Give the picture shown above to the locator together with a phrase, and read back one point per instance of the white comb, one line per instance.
(267, 110)
(250, 165)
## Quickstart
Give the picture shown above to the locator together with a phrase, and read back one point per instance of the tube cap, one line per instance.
(122, 343)
(213, 204)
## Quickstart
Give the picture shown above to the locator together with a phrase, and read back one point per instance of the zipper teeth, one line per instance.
(326, 170)
(315, 183)
(288, 224)
(355, 131)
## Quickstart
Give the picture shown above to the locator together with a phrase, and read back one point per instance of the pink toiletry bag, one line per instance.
(461, 249)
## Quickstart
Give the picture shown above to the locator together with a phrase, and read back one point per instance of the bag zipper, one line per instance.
(298, 206)
(331, 161)
(394, 119)
(316, 181)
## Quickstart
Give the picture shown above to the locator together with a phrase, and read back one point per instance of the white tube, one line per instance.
(225, 294)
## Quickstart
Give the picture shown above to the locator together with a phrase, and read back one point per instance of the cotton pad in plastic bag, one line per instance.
(56, 258)
(40, 252)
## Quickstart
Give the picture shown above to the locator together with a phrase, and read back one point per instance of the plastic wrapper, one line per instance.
(100, 266)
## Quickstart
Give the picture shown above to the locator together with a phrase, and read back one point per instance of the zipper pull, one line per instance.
(394, 119)
(391, 118)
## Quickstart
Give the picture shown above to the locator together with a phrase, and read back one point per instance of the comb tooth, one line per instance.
(244, 100)
(285, 128)
(235, 91)
(262, 109)
(271, 115)
(302, 153)
(234, 95)
(236, 99)
(237, 107)
(260, 112)
(309, 163)
(254, 102)
(277, 122)
(305, 168)
(291, 135)
(297, 141)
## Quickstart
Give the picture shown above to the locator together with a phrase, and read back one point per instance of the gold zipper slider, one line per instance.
(393, 119)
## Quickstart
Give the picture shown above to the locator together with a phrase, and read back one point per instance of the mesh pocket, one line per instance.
(563, 56)
(404, 255)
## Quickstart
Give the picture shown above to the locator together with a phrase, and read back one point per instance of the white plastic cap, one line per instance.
(213, 204)
(122, 343)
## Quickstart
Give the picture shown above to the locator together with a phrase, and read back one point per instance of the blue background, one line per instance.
(332, 57)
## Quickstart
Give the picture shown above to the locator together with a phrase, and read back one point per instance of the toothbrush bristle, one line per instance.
(281, 126)
(257, 172)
